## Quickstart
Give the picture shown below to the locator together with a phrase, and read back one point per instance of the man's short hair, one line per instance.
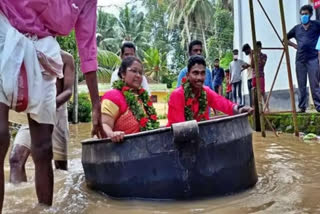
(308, 8)
(246, 47)
(216, 60)
(235, 51)
(259, 44)
(227, 70)
(127, 45)
(193, 43)
(196, 59)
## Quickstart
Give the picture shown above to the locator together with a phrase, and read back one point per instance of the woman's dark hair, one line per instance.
(196, 59)
(308, 8)
(127, 62)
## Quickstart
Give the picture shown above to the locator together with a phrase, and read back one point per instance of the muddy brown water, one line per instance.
(289, 182)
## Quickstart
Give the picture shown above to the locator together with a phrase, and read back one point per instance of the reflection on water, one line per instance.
(289, 182)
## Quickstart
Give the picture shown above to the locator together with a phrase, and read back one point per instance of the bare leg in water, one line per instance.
(18, 158)
(41, 151)
(4, 144)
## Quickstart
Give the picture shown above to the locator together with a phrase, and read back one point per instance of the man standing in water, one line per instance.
(236, 68)
(248, 51)
(29, 51)
(307, 62)
(22, 143)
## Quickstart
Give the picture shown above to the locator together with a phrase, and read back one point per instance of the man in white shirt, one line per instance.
(236, 68)
(129, 49)
(248, 51)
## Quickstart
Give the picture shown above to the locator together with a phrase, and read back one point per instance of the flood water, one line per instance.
(289, 182)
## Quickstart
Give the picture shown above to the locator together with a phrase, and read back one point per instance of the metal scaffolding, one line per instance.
(259, 107)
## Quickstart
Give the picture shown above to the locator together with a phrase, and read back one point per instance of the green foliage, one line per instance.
(108, 62)
(170, 78)
(155, 64)
(221, 40)
(68, 44)
(307, 123)
(84, 110)
(107, 31)
(226, 60)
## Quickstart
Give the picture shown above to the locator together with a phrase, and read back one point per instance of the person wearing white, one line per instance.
(129, 49)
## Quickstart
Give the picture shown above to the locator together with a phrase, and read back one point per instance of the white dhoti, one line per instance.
(60, 135)
(41, 60)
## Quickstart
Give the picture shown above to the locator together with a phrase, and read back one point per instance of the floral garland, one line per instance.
(147, 118)
(189, 99)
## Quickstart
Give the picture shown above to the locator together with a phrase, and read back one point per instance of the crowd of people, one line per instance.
(30, 53)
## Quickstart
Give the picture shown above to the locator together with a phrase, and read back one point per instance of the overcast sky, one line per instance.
(112, 6)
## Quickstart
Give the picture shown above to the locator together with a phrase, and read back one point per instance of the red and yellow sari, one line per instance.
(114, 105)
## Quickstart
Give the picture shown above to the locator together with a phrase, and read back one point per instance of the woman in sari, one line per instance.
(127, 108)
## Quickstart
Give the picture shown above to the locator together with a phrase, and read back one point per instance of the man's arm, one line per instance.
(318, 48)
(222, 75)
(290, 35)
(264, 59)
(92, 83)
(85, 29)
(243, 64)
(68, 67)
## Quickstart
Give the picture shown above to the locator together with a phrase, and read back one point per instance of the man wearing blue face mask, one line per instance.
(307, 62)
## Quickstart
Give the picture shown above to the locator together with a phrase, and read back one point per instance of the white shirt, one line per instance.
(144, 84)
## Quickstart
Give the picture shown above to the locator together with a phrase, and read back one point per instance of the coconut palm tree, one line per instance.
(200, 13)
(131, 28)
(107, 31)
(227, 4)
(108, 62)
(178, 17)
(155, 64)
(195, 15)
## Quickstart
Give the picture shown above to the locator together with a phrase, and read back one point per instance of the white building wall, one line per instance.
(265, 34)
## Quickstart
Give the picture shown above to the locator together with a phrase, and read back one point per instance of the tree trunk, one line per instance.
(187, 28)
(204, 42)
(75, 96)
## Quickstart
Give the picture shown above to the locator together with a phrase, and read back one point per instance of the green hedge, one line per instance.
(84, 110)
(307, 122)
